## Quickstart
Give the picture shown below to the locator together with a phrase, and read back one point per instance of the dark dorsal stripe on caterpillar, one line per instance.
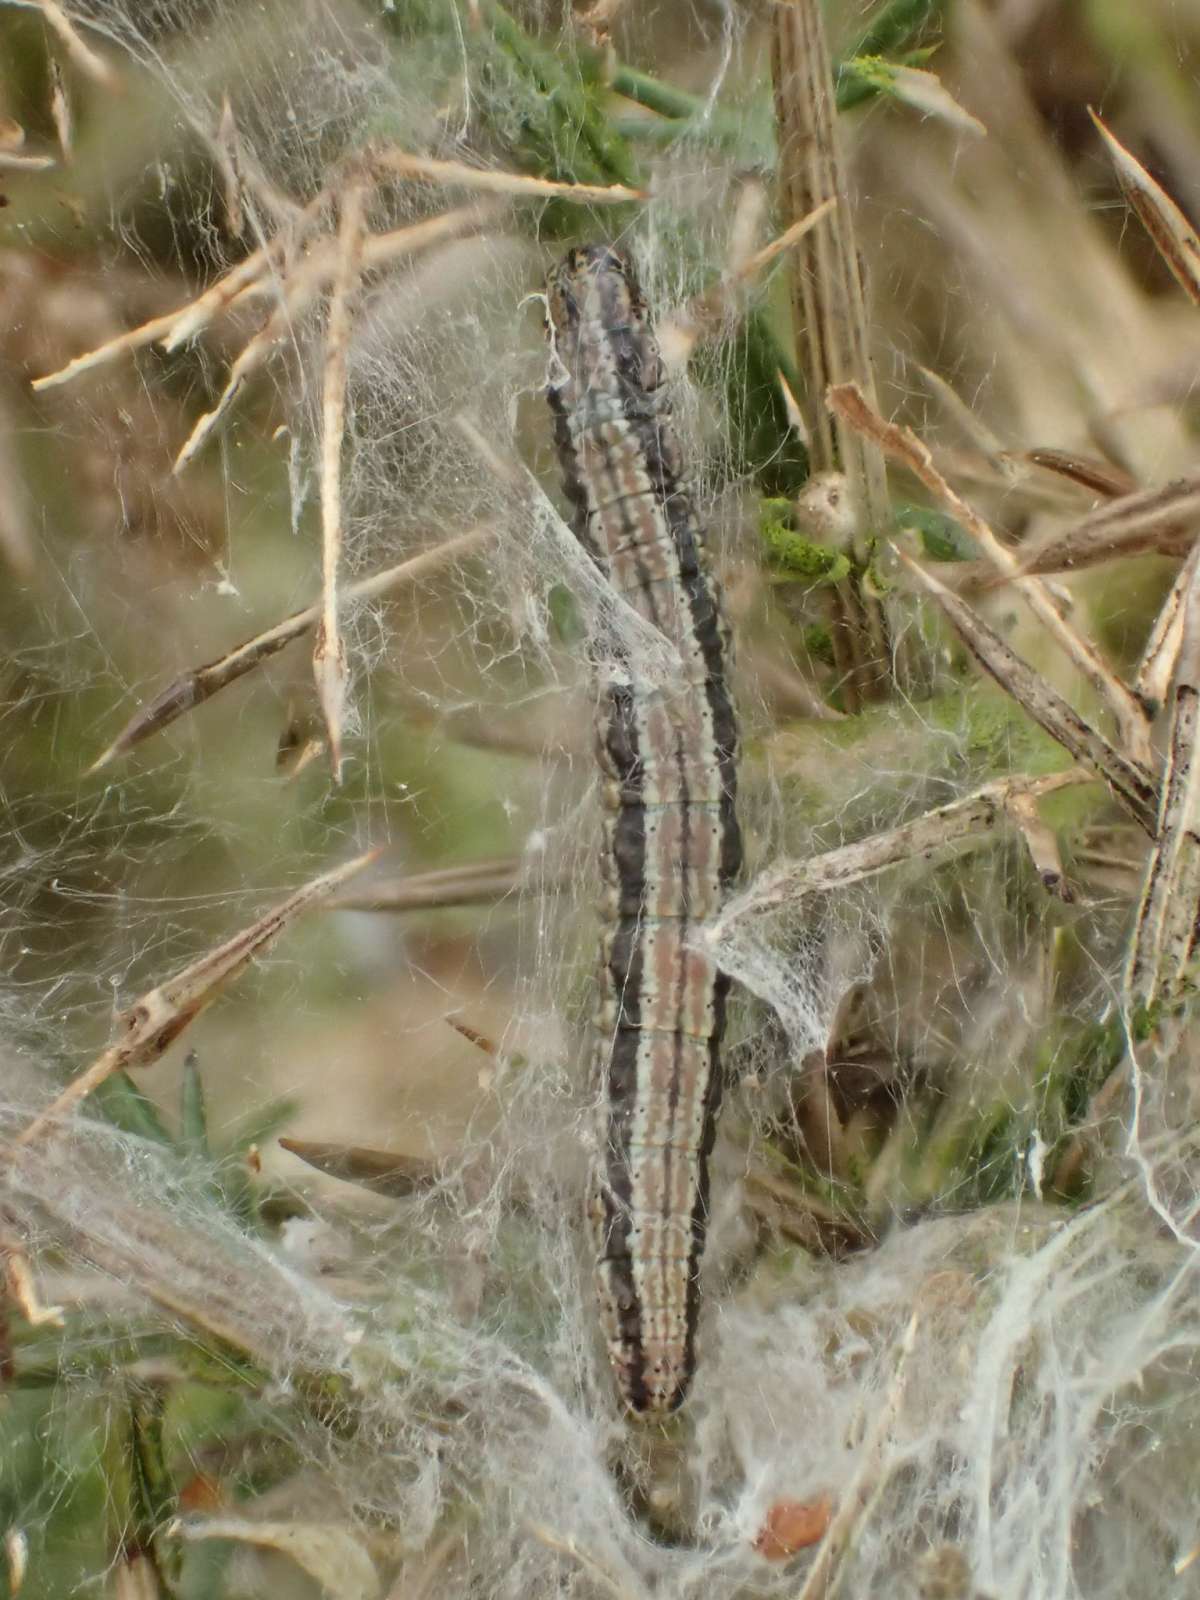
(671, 845)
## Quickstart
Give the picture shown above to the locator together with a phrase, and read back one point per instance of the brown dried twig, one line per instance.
(18, 161)
(228, 155)
(823, 1577)
(1157, 667)
(1164, 932)
(1042, 844)
(481, 1041)
(199, 684)
(60, 112)
(301, 287)
(962, 823)
(475, 883)
(791, 406)
(1166, 520)
(81, 53)
(298, 292)
(17, 1282)
(380, 1171)
(255, 275)
(329, 651)
(1172, 233)
(1101, 477)
(155, 1021)
(16, 530)
(251, 275)
(456, 175)
(703, 315)
(133, 339)
(791, 236)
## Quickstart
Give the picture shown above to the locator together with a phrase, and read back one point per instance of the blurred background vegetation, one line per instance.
(1001, 263)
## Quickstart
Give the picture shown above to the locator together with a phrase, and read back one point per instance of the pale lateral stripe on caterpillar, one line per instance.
(671, 846)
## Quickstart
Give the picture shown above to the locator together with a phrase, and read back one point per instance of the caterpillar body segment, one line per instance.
(671, 845)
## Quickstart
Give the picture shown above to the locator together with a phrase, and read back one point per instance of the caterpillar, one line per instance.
(671, 844)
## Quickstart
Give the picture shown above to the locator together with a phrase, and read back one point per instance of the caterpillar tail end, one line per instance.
(653, 1369)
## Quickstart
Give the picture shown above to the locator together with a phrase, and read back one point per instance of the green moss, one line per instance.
(1145, 1022)
(874, 580)
(1080, 1057)
(991, 734)
(793, 556)
(997, 737)
(818, 642)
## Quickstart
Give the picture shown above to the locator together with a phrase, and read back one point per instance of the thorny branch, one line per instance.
(1165, 930)
(329, 652)
(155, 1021)
(966, 822)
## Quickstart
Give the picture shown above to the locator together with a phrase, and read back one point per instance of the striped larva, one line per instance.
(671, 843)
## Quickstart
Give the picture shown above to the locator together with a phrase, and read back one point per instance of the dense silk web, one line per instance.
(962, 1367)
